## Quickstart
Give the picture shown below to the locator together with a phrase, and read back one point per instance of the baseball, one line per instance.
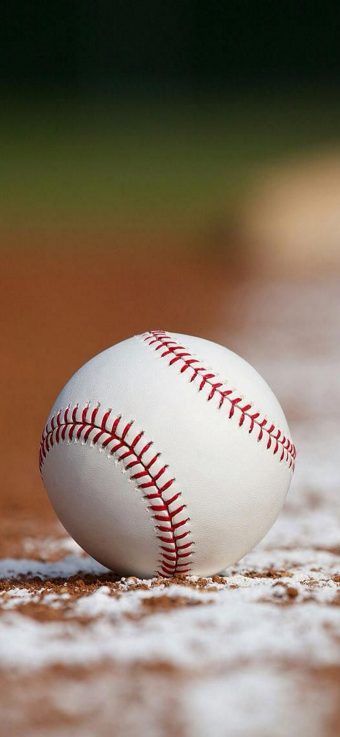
(167, 454)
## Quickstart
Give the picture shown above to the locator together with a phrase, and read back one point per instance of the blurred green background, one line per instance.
(162, 114)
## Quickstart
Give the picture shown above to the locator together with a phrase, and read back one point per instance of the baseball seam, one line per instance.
(81, 424)
(215, 388)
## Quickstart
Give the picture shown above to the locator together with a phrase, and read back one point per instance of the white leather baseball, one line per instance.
(167, 454)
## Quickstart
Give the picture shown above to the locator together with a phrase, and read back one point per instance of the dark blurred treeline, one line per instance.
(103, 46)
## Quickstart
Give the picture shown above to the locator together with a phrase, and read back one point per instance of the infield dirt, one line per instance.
(251, 653)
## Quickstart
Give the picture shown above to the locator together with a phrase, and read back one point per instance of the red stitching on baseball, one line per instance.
(275, 439)
(79, 428)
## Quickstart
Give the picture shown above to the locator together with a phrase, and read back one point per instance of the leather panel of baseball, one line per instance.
(106, 478)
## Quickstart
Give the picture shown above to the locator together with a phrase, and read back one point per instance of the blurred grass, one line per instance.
(178, 165)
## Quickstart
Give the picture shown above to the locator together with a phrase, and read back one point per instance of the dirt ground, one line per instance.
(62, 302)
(252, 653)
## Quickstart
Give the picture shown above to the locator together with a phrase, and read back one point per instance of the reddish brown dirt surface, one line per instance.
(83, 653)
(62, 301)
